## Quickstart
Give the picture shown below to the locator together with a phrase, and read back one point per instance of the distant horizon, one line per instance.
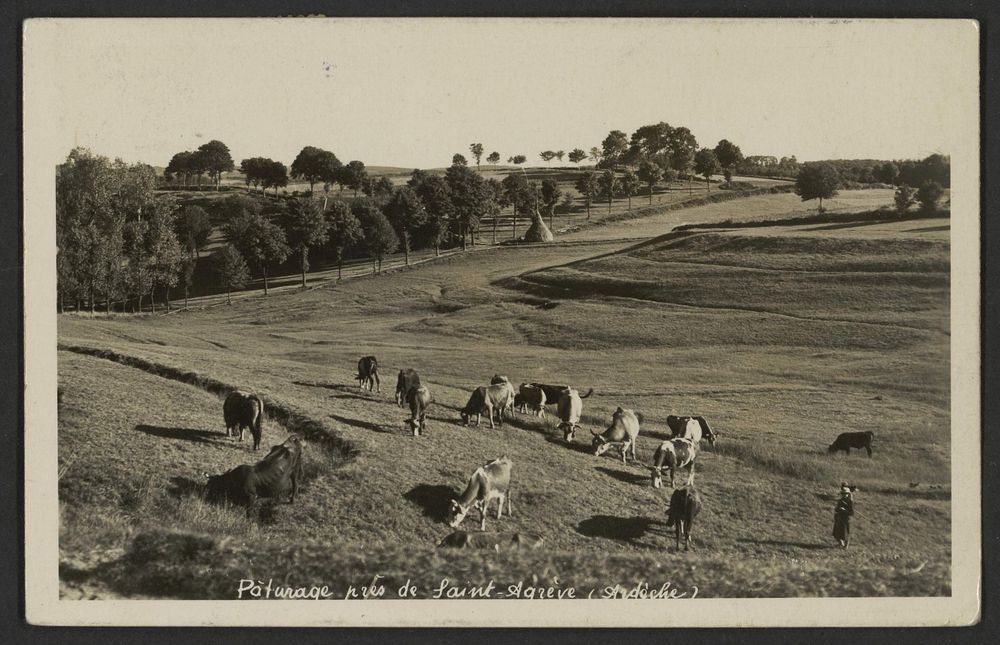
(410, 93)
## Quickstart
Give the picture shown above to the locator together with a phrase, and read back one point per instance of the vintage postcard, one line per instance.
(502, 322)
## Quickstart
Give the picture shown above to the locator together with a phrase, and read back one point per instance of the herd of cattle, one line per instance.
(277, 476)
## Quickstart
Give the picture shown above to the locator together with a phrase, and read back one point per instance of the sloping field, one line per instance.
(781, 339)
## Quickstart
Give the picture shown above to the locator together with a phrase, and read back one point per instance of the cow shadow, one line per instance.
(433, 499)
(628, 478)
(187, 434)
(358, 423)
(626, 529)
(797, 545)
(583, 448)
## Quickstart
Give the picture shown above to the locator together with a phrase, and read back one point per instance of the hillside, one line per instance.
(783, 336)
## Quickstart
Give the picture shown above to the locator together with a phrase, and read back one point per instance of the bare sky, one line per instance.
(413, 92)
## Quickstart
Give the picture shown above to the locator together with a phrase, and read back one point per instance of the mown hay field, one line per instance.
(781, 336)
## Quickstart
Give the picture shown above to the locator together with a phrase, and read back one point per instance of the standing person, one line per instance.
(842, 515)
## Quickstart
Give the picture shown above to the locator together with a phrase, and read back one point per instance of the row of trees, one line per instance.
(212, 158)
(822, 180)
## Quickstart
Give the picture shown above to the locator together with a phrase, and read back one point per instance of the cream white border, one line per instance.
(41, 108)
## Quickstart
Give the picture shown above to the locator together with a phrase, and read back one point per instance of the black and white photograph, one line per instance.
(681, 314)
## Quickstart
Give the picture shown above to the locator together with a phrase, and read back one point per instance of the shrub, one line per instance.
(929, 195)
(904, 199)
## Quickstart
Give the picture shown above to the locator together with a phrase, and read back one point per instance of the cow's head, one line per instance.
(599, 443)
(656, 476)
(711, 437)
(832, 448)
(569, 431)
(457, 513)
(215, 487)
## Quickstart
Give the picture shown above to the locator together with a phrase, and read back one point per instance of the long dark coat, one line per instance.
(842, 518)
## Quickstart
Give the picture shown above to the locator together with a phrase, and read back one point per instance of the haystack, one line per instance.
(538, 231)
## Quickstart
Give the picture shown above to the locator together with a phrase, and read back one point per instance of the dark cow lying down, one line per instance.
(274, 477)
(847, 440)
(495, 541)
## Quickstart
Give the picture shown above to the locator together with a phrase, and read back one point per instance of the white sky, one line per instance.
(413, 92)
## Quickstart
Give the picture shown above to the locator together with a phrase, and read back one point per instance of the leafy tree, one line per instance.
(495, 200)
(193, 229)
(216, 159)
(380, 238)
(493, 159)
(817, 180)
(681, 149)
(261, 242)
(904, 198)
(650, 141)
(353, 175)
(255, 170)
(435, 194)
(231, 268)
(344, 231)
(706, 164)
(614, 147)
(547, 156)
(929, 194)
(517, 193)
(887, 173)
(477, 152)
(468, 198)
(459, 159)
(596, 155)
(163, 250)
(650, 174)
(517, 160)
(629, 185)
(198, 165)
(576, 155)
(560, 154)
(550, 198)
(586, 185)
(179, 166)
(305, 227)
(729, 155)
(275, 176)
(138, 278)
(315, 164)
(406, 213)
(608, 185)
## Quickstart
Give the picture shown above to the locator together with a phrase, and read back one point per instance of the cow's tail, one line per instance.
(589, 392)
(258, 422)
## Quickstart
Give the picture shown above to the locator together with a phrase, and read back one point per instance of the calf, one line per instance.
(407, 380)
(673, 454)
(489, 482)
(243, 410)
(847, 440)
(623, 432)
(685, 504)
(275, 476)
(532, 397)
(679, 427)
(486, 399)
(418, 398)
(368, 374)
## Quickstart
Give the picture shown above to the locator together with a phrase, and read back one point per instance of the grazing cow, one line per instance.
(569, 409)
(242, 410)
(418, 398)
(496, 541)
(553, 392)
(407, 380)
(622, 432)
(486, 399)
(489, 482)
(847, 440)
(679, 428)
(368, 373)
(532, 397)
(685, 504)
(497, 378)
(673, 454)
(274, 476)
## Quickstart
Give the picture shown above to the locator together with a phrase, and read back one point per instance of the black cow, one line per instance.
(553, 392)
(678, 426)
(274, 477)
(406, 381)
(685, 504)
(242, 410)
(368, 373)
(847, 440)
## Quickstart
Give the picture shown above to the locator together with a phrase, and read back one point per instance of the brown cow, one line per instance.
(368, 374)
(243, 410)
(489, 482)
(274, 476)
(486, 399)
(418, 398)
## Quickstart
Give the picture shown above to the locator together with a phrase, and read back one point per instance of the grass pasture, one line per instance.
(782, 336)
